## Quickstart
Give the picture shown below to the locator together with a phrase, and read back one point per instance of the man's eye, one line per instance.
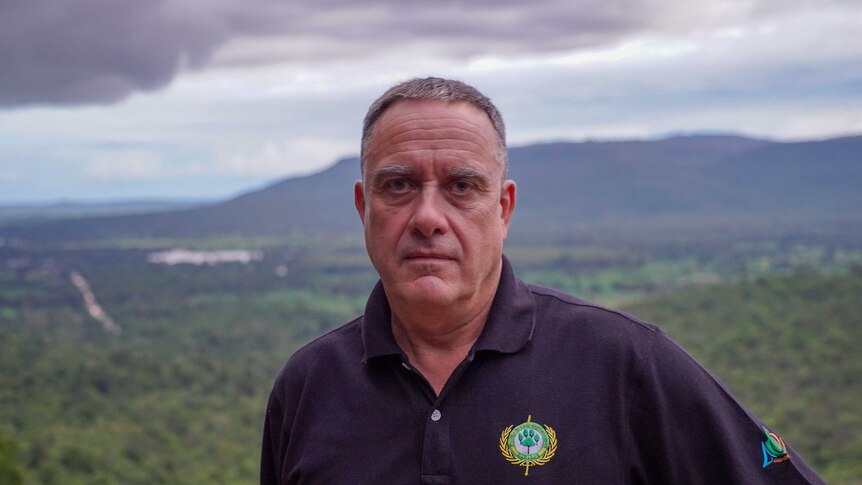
(461, 187)
(398, 185)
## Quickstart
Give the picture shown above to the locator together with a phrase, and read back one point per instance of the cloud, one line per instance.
(102, 51)
(93, 51)
(127, 164)
(273, 159)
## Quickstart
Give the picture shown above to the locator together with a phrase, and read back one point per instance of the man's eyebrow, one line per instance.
(391, 171)
(468, 173)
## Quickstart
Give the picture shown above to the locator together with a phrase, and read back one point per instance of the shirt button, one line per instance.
(435, 416)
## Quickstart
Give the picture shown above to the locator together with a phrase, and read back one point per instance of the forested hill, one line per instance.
(695, 178)
(178, 397)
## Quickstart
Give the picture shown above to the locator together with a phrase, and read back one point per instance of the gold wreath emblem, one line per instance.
(546, 457)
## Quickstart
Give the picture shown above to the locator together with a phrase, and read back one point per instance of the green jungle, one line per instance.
(171, 386)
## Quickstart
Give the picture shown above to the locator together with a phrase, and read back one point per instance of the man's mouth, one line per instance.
(427, 256)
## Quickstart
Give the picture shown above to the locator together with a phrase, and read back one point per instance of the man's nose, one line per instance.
(429, 213)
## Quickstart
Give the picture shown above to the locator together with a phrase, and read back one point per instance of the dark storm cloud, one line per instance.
(101, 51)
(92, 51)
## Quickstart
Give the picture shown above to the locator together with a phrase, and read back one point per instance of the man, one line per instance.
(458, 372)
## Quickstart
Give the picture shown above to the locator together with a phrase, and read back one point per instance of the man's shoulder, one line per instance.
(339, 345)
(337, 338)
(568, 310)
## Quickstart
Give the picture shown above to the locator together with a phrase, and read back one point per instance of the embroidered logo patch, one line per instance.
(528, 444)
(774, 449)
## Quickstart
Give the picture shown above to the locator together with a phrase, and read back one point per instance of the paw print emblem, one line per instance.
(528, 444)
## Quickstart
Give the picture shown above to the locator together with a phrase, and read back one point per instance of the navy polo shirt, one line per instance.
(580, 393)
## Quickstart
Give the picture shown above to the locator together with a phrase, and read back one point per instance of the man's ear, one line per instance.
(359, 200)
(508, 198)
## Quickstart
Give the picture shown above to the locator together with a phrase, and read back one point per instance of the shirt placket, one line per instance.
(436, 468)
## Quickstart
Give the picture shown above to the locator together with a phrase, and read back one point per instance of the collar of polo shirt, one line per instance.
(509, 326)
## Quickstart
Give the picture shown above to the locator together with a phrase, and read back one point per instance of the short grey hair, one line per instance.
(434, 88)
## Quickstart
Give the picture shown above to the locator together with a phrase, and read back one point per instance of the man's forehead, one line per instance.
(424, 158)
(432, 125)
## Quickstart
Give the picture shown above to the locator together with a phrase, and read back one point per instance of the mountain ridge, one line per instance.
(559, 184)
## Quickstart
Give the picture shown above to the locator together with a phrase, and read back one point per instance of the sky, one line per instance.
(189, 99)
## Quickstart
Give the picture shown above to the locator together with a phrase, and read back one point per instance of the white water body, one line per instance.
(93, 308)
(184, 256)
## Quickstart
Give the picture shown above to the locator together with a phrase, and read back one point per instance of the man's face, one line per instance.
(431, 200)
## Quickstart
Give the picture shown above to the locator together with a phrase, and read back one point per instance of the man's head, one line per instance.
(433, 197)
(440, 89)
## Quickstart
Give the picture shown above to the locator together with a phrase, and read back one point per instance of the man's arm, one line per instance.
(688, 428)
(273, 434)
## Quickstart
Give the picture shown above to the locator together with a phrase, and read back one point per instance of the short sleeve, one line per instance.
(687, 428)
(273, 437)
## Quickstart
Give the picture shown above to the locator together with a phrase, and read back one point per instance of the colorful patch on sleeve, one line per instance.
(773, 448)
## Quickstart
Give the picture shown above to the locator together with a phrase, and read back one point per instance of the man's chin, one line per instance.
(428, 290)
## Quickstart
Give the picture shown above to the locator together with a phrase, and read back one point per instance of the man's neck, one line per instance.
(437, 342)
